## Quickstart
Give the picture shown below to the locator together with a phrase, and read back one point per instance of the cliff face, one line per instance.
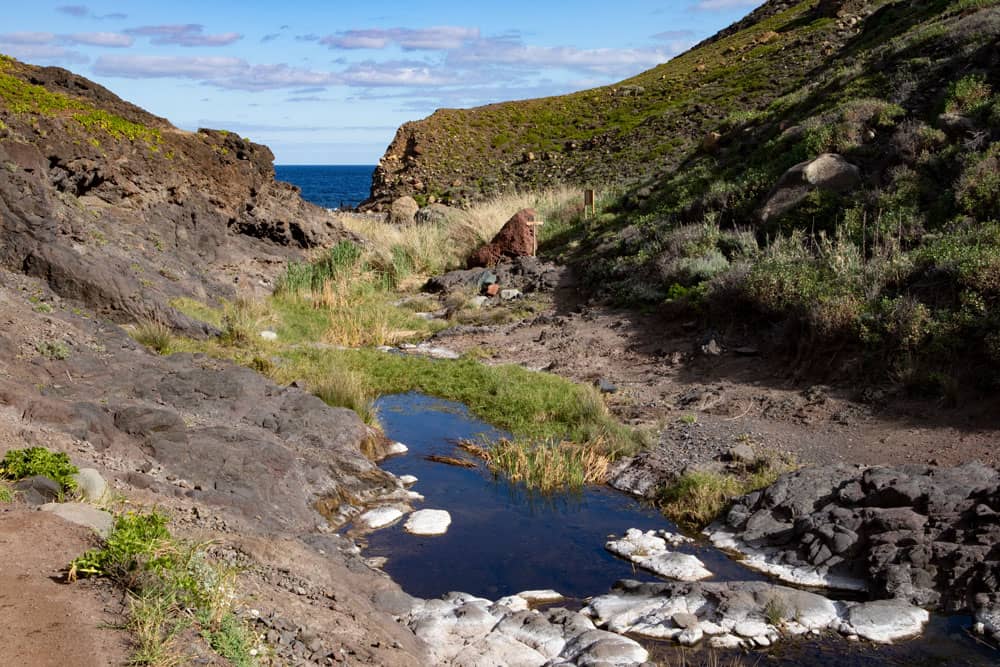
(640, 127)
(117, 207)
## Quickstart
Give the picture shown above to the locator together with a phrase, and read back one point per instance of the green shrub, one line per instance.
(20, 463)
(53, 349)
(153, 334)
(969, 95)
(137, 544)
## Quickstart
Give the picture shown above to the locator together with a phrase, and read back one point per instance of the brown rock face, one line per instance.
(515, 239)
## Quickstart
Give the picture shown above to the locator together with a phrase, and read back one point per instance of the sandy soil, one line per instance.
(46, 621)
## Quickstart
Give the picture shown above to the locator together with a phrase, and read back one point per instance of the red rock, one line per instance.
(492, 289)
(515, 239)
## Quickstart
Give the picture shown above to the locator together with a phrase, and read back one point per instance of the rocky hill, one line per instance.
(640, 127)
(115, 206)
(107, 215)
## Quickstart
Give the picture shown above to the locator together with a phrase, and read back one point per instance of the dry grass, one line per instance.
(435, 248)
(345, 389)
(545, 466)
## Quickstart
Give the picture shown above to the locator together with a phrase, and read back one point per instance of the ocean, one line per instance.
(329, 186)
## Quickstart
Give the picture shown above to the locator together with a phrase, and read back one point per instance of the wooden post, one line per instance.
(589, 207)
(534, 224)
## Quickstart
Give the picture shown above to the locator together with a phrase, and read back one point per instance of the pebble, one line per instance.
(380, 517)
(428, 522)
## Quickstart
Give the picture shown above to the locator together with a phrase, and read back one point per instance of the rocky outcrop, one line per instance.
(403, 211)
(828, 172)
(128, 213)
(922, 534)
(515, 239)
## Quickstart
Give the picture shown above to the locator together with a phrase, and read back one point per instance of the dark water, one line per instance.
(329, 186)
(503, 540)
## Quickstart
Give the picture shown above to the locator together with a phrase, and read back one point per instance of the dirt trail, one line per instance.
(703, 397)
(47, 622)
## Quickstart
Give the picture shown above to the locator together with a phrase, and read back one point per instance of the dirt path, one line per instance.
(702, 401)
(47, 622)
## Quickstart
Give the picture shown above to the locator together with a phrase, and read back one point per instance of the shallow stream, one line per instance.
(503, 540)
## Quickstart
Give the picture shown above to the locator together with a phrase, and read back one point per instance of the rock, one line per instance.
(38, 490)
(516, 238)
(690, 636)
(428, 522)
(380, 517)
(742, 453)
(510, 294)
(403, 211)
(407, 480)
(82, 514)
(491, 290)
(710, 143)
(538, 596)
(956, 125)
(887, 620)
(711, 348)
(829, 172)
(684, 620)
(478, 302)
(396, 448)
(268, 335)
(90, 485)
(439, 214)
(459, 280)
(605, 386)
(649, 551)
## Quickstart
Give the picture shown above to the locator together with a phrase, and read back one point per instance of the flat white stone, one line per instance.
(690, 636)
(725, 642)
(428, 522)
(268, 335)
(649, 551)
(380, 517)
(407, 480)
(82, 515)
(396, 448)
(885, 621)
(511, 602)
(673, 565)
(750, 628)
(547, 595)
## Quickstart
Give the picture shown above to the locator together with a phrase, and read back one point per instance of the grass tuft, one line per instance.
(153, 334)
(547, 466)
(346, 389)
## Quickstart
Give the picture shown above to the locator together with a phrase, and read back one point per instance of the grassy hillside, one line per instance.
(899, 278)
(639, 127)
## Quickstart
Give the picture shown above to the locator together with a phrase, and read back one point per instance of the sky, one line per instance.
(328, 82)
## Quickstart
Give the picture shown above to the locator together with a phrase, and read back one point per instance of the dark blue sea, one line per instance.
(329, 186)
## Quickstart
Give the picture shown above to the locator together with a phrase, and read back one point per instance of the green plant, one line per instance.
(546, 465)
(20, 463)
(775, 611)
(689, 419)
(346, 389)
(6, 493)
(153, 334)
(53, 349)
(139, 543)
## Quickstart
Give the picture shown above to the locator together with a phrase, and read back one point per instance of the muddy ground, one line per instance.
(701, 396)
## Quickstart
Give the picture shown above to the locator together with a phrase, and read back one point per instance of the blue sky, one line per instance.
(329, 82)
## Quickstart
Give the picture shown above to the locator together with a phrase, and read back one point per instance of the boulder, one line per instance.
(428, 522)
(90, 485)
(515, 239)
(434, 214)
(38, 490)
(403, 211)
(82, 514)
(829, 172)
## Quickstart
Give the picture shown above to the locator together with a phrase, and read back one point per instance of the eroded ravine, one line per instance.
(503, 540)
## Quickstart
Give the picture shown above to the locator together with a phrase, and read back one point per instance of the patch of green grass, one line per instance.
(6, 493)
(20, 463)
(547, 465)
(197, 310)
(346, 389)
(117, 127)
(153, 334)
(696, 499)
(172, 585)
(533, 405)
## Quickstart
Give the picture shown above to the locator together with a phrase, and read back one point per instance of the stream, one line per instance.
(504, 539)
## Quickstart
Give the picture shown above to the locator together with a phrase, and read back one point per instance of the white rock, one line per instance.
(511, 602)
(649, 551)
(547, 595)
(478, 302)
(428, 522)
(82, 514)
(510, 294)
(690, 636)
(90, 485)
(750, 628)
(396, 448)
(885, 621)
(268, 335)
(725, 642)
(380, 517)
(407, 480)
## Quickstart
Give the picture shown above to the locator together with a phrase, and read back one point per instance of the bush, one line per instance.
(154, 335)
(969, 95)
(20, 463)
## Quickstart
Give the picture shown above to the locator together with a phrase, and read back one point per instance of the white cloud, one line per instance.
(439, 38)
(190, 34)
(27, 38)
(108, 39)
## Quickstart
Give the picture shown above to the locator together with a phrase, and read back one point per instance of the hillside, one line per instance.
(879, 259)
(640, 127)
